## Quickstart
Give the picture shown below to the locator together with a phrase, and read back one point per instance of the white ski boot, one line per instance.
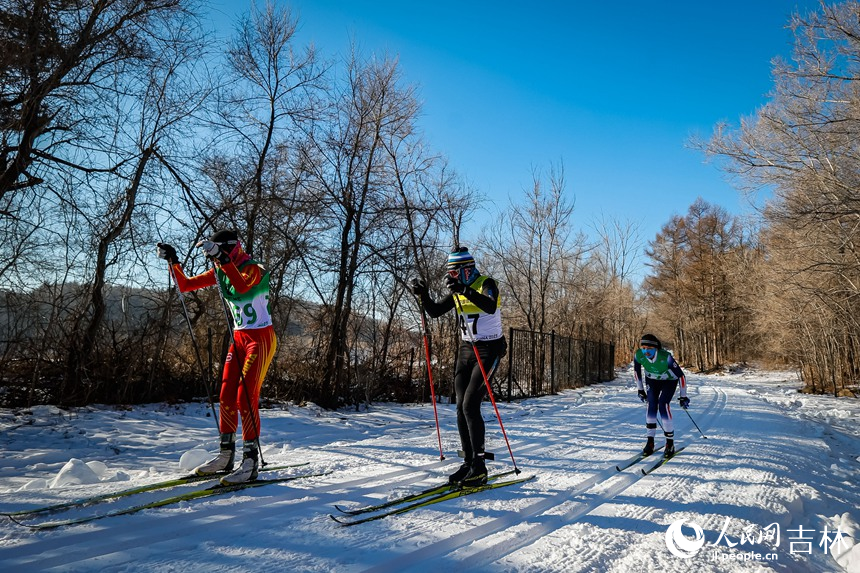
(248, 469)
(223, 462)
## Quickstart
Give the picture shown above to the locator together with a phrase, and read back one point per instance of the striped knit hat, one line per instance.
(460, 257)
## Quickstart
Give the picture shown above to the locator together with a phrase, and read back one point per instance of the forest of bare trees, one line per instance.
(121, 127)
(801, 152)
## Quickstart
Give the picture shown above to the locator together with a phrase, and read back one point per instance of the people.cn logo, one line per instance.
(679, 544)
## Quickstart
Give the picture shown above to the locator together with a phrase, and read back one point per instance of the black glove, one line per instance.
(454, 285)
(643, 395)
(684, 401)
(168, 253)
(214, 251)
(417, 286)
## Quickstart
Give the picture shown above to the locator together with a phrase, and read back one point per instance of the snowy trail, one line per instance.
(55, 552)
(523, 537)
(553, 522)
(772, 456)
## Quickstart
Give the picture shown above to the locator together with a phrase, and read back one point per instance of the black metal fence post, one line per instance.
(552, 362)
(511, 349)
(547, 363)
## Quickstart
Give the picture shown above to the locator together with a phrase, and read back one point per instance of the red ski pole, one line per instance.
(430, 377)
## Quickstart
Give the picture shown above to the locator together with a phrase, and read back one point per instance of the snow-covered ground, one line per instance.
(773, 487)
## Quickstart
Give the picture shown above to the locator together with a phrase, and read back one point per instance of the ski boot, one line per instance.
(223, 462)
(670, 448)
(248, 469)
(649, 446)
(477, 473)
(456, 477)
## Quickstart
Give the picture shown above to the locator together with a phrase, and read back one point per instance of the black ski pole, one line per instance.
(205, 378)
(695, 424)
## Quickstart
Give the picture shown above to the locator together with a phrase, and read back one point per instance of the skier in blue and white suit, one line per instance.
(478, 305)
(662, 375)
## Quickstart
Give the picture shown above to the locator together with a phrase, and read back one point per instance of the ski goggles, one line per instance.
(465, 275)
(229, 247)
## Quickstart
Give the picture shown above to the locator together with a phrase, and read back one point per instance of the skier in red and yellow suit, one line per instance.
(244, 283)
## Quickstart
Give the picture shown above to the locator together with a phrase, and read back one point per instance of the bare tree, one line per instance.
(352, 179)
(693, 288)
(615, 259)
(56, 56)
(802, 145)
(537, 250)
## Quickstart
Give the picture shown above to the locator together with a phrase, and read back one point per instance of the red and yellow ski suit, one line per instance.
(254, 341)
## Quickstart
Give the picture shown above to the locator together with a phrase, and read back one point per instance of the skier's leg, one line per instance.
(259, 348)
(463, 368)
(472, 399)
(223, 462)
(490, 354)
(667, 390)
(650, 418)
(666, 393)
(228, 399)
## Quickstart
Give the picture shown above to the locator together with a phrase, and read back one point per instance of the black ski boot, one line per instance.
(458, 476)
(670, 448)
(477, 473)
(649, 446)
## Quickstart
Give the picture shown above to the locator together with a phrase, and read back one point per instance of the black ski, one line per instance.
(435, 490)
(635, 459)
(166, 484)
(217, 489)
(661, 461)
(444, 496)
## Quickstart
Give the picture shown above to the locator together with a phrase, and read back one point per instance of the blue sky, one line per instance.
(613, 90)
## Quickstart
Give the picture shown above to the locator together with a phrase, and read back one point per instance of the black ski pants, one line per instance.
(470, 390)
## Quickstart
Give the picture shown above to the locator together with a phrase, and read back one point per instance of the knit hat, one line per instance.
(650, 340)
(461, 265)
(460, 257)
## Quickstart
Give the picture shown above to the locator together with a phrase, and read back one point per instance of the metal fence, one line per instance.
(541, 363)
